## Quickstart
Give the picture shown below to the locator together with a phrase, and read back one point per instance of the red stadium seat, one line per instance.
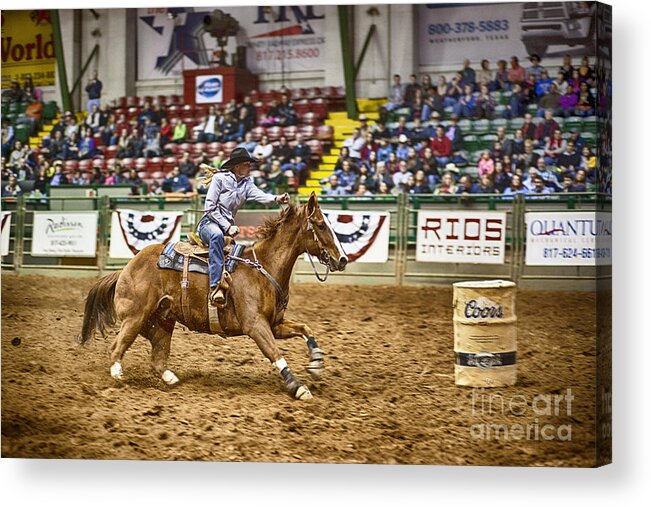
(175, 99)
(84, 165)
(132, 101)
(155, 164)
(228, 147)
(158, 175)
(302, 106)
(325, 133)
(308, 118)
(121, 102)
(317, 148)
(171, 148)
(111, 151)
(162, 100)
(198, 148)
(141, 163)
(143, 175)
(274, 133)
(169, 163)
(99, 163)
(185, 147)
(128, 163)
(213, 148)
(70, 166)
(308, 131)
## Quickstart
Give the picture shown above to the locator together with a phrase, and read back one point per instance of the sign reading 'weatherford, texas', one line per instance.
(461, 236)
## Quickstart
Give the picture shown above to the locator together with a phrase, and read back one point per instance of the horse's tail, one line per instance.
(99, 312)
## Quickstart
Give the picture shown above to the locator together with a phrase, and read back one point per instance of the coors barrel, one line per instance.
(485, 333)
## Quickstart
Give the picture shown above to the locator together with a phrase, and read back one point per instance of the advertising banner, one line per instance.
(363, 235)
(569, 239)
(4, 237)
(132, 230)
(449, 34)
(277, 39)
(248, 222)
(209, 89)
(27, 47)
(461, 236)
(64, 234)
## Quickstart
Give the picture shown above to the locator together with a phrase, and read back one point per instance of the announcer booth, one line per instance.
(217, 85)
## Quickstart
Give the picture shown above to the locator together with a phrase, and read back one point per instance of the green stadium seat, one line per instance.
(560, 121)
(470, 143)
(21, 133)
(573, 122)
(49, 110)
(532, 108)
(465, 125)
(499, 122)
(515, 124)
(480, 126)
(590, 124)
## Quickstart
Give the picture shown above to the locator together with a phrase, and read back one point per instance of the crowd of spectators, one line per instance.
(150, 134)
(424, 154)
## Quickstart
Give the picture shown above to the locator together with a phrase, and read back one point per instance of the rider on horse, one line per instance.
(229, 189)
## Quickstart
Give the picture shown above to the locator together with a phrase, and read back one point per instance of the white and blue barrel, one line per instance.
(485, 333)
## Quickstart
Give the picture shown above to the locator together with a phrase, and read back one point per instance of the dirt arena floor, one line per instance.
(388, 394)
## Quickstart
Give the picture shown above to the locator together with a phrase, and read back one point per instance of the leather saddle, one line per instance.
(195, 248)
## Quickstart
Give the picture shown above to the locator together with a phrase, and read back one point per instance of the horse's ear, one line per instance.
(312, 204)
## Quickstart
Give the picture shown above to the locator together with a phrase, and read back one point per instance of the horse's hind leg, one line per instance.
(128, 332)
(160, 336)
(290, 329)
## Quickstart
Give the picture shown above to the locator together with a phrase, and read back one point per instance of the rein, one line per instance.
(255, 264)
(323, 253)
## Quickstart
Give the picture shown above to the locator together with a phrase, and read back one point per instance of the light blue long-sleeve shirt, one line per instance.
(226, 196)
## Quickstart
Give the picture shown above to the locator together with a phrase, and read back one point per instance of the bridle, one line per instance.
(324, 256)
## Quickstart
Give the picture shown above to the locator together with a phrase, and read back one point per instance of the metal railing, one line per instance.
(401, 267)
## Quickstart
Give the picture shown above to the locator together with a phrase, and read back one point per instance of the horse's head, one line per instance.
(320, 238)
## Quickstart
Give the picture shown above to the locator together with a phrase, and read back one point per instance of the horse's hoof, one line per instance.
(315, 369)
(116, 371)
(303, 393)
(169, 378)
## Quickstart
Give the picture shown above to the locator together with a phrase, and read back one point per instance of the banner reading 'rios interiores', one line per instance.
(27, 47)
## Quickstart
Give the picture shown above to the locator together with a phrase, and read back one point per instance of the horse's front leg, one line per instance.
(264, 338)
(290, 329)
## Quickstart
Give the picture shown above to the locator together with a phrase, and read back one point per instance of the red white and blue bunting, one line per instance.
(6, 228)
(364, 235)
(132, 230)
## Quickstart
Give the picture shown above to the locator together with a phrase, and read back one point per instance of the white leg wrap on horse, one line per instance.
(116, 370)
(169, 378)
(281, 364)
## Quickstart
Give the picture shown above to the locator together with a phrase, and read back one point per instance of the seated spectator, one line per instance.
(299, 159)
(432, 101)
(396, 94)
(355, 144)
(539, 187)
(566, 69)
(384, 150)
(442, 86)
(402, 150)
(155, 189)
(7, 137)
(581, 182)
(517, 73)
(429, 165)
(517, 102)
(468, 75)
(501, 78)
(180, 131)
(485, 104)
(543, 84)
(588, 160)
(554, 147)
(454, 92)
(528, 182)
(347, 176)
(527, 159)
(209, 129)
(567, 104)
(177, 182)
(586, 73)
(71, 147)
(516, 186)
(485, 74)
(165, 131)
(536, 69)
(447, 185)
(247, 114)
(466, 106)
(11, 189)
(467, 186)
(411, 91)
(187, 166)
(18, 153)
(229, 129)
(93, 119)
(369, 146)
(568, 184)
(384, 189)
(514, 147)
(344, 154)
(380, 132)
(486, 165)
(42, 179)
(549, 102)
(561, 83)
(263, 151)
(441, 147)
(109, 132)
(362, 190)
(59, 177)
(152, 147)
(87, 147)
(401, 176)
(486, 185)
(146, 112)
(570, 159)
(286, 113)
(585, 105)
(545, 129)
(381, 176)
(335, 188)
(548, 174)
(249, 144)
(454, 134)
(282, 151)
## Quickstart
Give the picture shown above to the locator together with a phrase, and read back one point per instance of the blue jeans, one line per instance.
(212, 235)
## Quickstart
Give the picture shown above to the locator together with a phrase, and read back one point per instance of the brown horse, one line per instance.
(147, 299)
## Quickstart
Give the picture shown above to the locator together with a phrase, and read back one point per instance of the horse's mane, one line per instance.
(271, 225)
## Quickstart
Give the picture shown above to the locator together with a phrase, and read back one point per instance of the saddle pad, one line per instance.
(170, 259)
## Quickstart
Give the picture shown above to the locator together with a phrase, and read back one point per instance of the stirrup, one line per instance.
(217, 297)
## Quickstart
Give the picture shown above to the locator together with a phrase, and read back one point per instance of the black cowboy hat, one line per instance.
(238, 155)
